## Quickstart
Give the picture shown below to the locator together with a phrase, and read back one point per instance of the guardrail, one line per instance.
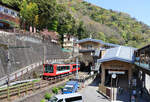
(18, 73)
(26, 87)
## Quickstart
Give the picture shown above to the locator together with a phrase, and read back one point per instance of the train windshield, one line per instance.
(49, 68)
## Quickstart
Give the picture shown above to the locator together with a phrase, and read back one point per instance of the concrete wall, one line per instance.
(22, 57)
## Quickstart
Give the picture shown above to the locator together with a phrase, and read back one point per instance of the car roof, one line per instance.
(71, 82)
(61, 96)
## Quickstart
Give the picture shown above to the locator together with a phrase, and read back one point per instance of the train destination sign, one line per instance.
(116, 72)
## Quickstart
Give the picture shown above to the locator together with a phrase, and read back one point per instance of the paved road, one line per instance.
(90, 94)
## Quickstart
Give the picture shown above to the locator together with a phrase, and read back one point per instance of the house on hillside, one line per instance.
(69, 45)
(8, 17)
(69, 42)
(50, 35)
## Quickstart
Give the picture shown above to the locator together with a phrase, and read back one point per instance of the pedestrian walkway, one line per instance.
(90, 94)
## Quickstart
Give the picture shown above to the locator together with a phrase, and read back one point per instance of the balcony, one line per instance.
(142, 64)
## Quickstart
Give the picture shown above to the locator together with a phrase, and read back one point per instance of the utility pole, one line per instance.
(44, 51)
(77, 66)
(8, 65)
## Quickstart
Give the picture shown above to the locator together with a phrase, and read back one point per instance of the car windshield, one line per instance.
(53, 99)
(68, 88)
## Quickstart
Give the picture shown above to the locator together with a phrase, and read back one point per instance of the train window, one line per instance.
(49, 68)
(59, 68)
(74, 66)
(67, 67)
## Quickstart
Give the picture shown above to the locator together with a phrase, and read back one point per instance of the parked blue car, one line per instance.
(70, 87)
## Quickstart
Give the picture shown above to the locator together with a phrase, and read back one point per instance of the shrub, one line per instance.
(43, 100)
(55, 90)
(47, 96)
(60, 87)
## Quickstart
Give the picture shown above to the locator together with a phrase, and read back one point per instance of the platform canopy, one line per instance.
(121, 53)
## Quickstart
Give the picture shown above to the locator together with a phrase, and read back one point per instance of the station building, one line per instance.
(118, 61)
(92, 49)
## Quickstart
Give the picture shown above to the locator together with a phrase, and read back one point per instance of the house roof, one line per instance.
(97, 41)
(144, 48)
(122, 53)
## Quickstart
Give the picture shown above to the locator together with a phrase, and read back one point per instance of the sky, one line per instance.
(139, 9)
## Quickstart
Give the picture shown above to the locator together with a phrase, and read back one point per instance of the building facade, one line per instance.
(142, 64)
(69, 42)
(8, 17)
(91, 50)
(118, 61)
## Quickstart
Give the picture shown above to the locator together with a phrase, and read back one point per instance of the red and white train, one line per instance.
(56, 69)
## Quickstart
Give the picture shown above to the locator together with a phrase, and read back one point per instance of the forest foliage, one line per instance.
(82, 19)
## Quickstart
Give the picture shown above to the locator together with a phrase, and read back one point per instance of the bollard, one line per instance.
(19, 91)
(8, 93)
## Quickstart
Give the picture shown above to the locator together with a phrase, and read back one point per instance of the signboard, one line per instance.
(116, 72)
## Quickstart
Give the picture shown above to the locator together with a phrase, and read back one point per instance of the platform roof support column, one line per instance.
(103, 76)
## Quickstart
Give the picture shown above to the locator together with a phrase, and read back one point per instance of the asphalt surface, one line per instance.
(90, 93)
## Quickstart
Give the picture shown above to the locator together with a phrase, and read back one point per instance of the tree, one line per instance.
(101, 36)
(81, 30)
(29, 13)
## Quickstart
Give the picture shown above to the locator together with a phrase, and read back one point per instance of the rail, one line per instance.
(18, 73)
(26, 87)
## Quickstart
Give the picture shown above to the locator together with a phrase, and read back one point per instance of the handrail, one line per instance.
(24, 70)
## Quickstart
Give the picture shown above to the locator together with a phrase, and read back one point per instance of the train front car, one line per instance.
(74, 68)
(48, 70)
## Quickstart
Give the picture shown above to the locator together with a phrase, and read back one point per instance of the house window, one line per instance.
(12, 13)
(17, 14)
(6, 10)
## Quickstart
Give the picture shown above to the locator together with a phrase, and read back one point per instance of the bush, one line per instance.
(60, 87)
(47, 96)
(43, 100)
(55, 90)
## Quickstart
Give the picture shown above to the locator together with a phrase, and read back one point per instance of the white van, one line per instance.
(72, 97)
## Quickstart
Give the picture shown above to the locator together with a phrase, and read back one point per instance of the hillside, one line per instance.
(82, 19)
(110, 26)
